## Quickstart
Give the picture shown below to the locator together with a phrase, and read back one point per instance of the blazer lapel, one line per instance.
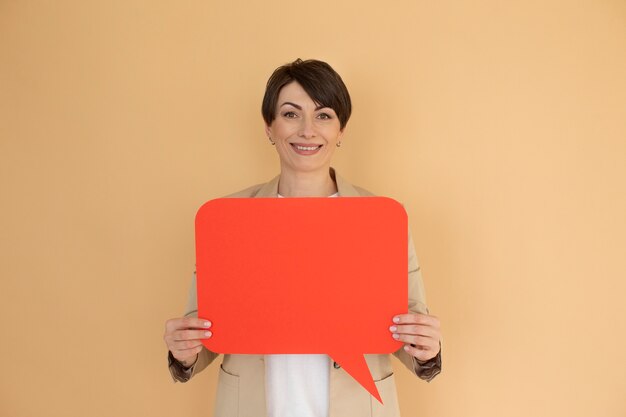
(269, 189)
(344, 188)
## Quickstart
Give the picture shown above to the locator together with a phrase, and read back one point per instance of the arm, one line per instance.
(184, 367)
(428, 369)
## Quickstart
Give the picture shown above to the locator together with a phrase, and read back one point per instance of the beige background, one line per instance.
(500, 124)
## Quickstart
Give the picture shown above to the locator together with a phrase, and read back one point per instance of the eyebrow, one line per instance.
(300, 107)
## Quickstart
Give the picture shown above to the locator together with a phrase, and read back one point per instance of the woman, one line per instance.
(306, 108)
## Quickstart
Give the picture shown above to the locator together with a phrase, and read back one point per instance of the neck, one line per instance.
(306, 184)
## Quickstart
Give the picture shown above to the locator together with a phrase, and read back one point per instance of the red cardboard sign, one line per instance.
(303, 275)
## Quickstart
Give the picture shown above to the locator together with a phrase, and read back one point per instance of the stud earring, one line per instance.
(339, 144)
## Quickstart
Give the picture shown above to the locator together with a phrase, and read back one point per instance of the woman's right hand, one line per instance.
(183, 337)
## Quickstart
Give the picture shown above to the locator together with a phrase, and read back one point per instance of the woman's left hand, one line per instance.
(420, 332)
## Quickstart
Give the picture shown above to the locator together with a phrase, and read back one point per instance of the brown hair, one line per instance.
(318, 79)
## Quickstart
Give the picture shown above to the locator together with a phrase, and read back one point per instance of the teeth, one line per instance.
(306, 148)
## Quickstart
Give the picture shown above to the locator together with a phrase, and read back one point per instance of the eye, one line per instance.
(290, 114)
(325, 116)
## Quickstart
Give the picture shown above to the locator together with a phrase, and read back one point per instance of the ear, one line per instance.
(341, 132)
(268, 130)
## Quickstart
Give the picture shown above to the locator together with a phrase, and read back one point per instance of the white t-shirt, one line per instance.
(297, 385)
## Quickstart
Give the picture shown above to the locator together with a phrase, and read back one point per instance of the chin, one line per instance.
(307, 167)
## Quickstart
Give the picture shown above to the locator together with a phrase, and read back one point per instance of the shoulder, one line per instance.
(347, 189)
(363, 192)
(251, 191)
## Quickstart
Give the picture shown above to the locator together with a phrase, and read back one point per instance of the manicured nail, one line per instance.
(207, 324)
(395, 336)
(207, 334)
(396, 319)
(406, 347)
(393, 328)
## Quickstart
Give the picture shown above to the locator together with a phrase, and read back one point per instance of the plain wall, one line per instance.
(500, 124)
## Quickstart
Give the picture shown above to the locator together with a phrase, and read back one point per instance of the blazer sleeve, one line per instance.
(417, 304)
(205, 357)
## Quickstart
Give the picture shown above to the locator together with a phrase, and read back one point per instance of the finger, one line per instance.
(186, 323)
(174, 335)
(416, 329)
(420, 353)
(191, 334)
(175, 341)
(186, 354)
(417, 318)
(425, 342)
(185, 345)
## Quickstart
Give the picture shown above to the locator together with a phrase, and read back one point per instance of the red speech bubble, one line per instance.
(303, 275)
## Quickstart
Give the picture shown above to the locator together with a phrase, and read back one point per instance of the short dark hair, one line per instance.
(320, 81)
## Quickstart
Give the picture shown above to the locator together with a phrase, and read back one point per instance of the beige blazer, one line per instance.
(241, 384)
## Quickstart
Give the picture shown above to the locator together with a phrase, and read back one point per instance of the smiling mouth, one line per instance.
(305, 149)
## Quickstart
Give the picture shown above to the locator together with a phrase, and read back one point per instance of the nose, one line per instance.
(307, 128)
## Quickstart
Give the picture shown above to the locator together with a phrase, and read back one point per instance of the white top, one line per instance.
(297, 385)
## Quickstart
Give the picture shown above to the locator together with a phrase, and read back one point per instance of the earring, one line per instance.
(339, 144)
(272, 142)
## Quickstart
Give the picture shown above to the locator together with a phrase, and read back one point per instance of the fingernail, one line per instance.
(406, 348)
(207, 324)
(396, 336)
(207, 334)
(393, 328)
(396, 319)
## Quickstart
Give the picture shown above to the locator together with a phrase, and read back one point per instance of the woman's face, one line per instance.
(305, 135)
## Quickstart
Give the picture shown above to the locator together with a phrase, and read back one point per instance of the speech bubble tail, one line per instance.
(356, 366)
